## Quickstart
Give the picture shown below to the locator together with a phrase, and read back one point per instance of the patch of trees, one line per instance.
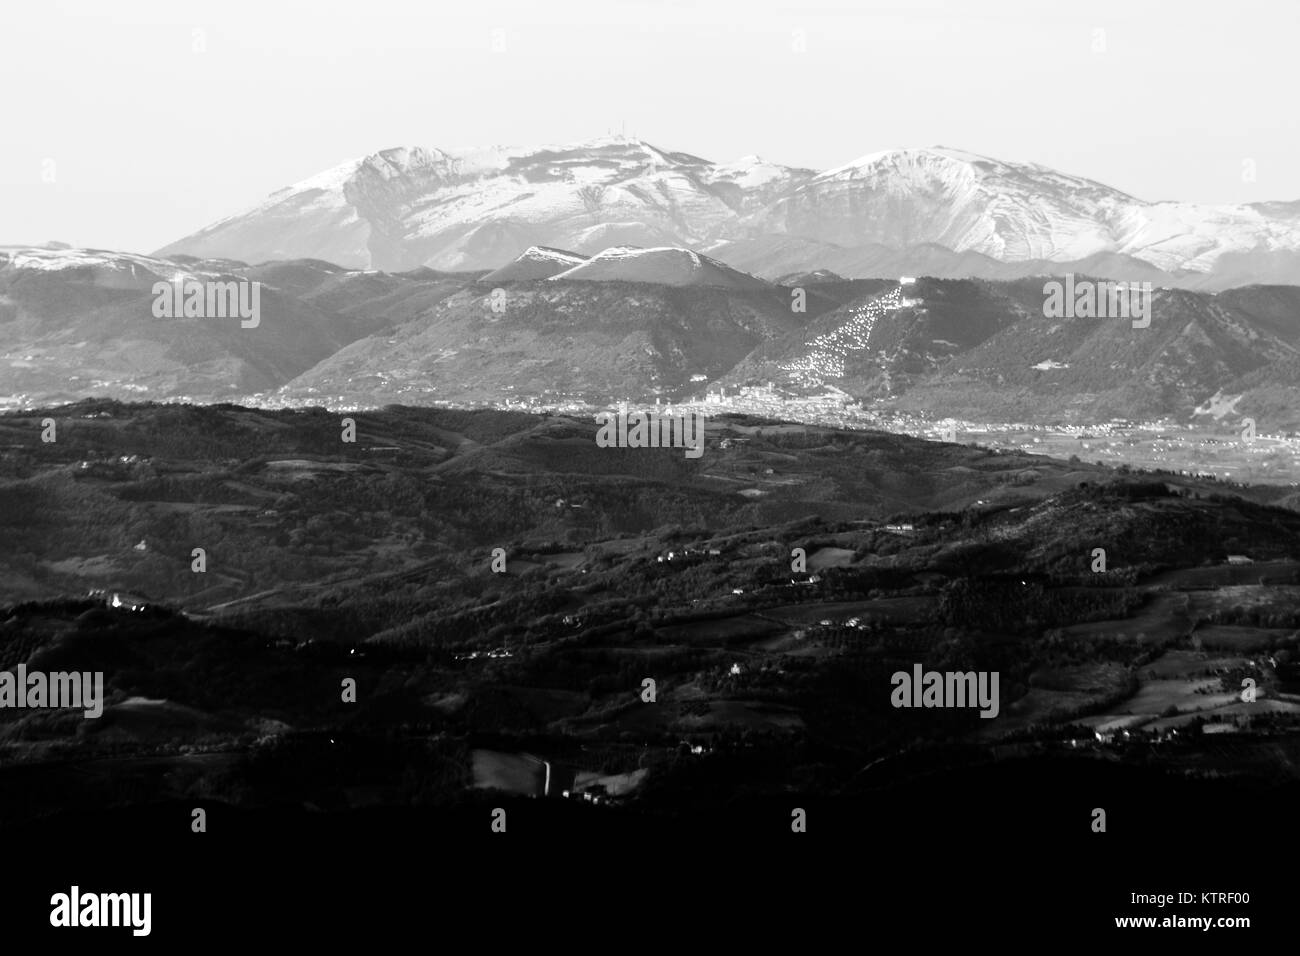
(1016, 604)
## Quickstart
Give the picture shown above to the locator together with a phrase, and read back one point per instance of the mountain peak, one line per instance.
(479, 208)
(914, 156)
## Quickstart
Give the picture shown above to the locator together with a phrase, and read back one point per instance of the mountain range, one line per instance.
(557, 328)
(580, 275)
(936, 211)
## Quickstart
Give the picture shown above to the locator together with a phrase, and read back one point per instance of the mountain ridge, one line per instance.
(479, 208)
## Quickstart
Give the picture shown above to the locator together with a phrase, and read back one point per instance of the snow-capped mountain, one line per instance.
(954, 199)
(481, 208)
(1014, 212)
(470, 209)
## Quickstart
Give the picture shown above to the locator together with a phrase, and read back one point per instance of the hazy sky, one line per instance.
(156, 118)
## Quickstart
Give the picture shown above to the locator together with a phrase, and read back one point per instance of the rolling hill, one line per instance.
(575, 338)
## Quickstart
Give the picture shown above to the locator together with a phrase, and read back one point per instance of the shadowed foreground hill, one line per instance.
(277, 496)
(425, 619)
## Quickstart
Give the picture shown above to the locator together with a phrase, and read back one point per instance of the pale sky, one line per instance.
(154, 118)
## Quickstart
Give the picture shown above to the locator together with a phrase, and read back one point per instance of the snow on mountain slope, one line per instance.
(1015, 211)
(1182, 235)
(465, 209)
(481, 208)
(662, 266)
(536, 262)
(47, 259)
(952, 198)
